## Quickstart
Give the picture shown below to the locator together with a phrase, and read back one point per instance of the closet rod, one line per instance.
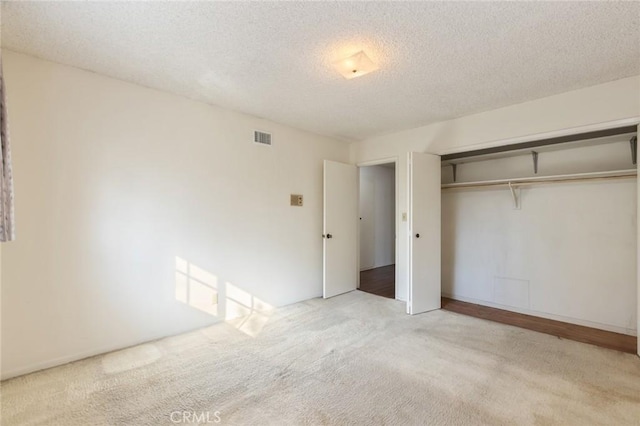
(617, 174)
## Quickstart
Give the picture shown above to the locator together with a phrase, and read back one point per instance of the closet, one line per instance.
(546, 228)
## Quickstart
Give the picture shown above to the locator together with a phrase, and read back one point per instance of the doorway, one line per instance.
(420, 285)
(377, 233)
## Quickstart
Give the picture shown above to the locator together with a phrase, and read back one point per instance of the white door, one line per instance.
(424, 238)
(340, 230)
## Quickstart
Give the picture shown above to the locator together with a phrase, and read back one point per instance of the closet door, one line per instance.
(424, 227)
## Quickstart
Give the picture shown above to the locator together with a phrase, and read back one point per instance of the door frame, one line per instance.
(396, 220)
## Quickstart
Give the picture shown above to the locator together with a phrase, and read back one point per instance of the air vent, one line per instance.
(262, 138)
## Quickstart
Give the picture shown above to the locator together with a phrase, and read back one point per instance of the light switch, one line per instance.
(296, 200)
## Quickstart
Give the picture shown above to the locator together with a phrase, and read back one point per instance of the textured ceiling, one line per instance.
(273, 60)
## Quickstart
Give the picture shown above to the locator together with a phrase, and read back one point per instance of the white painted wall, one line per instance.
(568, 253)
(377, 216)
(121, 190)
(570, 112)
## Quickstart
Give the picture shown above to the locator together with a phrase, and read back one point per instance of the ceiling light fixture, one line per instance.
(355, 65)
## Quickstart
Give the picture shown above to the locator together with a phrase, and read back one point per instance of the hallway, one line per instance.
(379, 281)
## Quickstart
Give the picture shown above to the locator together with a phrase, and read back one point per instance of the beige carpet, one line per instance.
(353, 359)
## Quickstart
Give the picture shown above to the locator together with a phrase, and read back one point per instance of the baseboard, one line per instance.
(56, 362)
(38, 366)
(576, 321)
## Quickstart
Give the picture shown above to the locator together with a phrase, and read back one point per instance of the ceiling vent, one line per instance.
(262, 138)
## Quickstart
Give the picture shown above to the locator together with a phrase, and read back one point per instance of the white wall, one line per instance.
(377, 216)
(118, 187)
(569, 251)
(568, 112)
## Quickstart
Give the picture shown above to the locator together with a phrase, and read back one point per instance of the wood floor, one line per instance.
(593, 336)
(381, 281)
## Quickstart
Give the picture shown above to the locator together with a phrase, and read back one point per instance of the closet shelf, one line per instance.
(615, 174)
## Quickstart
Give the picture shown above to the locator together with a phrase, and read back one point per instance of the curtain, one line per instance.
(7, 229)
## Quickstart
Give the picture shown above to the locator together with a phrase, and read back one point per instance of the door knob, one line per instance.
(417, 235)
(329, 236)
